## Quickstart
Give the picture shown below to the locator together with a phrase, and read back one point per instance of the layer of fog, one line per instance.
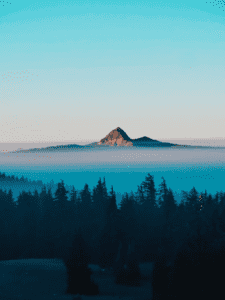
(123, 168)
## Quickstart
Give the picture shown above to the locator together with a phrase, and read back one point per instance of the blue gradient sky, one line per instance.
(154, 69)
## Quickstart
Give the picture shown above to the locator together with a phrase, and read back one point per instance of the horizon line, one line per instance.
(95, 140)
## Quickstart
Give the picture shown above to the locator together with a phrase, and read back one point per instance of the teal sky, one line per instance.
(153, 68)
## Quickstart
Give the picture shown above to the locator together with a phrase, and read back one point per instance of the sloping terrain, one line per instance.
(46, 279)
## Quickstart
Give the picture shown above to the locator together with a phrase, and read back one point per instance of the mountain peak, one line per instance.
(117, 137)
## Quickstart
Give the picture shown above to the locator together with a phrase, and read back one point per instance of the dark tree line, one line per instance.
(148, 225)
(13, 178)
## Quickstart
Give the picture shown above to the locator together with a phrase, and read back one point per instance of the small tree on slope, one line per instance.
(79, 274)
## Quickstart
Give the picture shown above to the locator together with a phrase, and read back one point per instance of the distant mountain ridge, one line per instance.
(116, 138)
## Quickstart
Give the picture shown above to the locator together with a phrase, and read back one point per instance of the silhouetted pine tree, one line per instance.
(209, 207)
(126, 269)
(61, 206)
(197, 271)
(99, 196)
(168, 207)
(61, 220)
(22, 179)
(61, 195)
(35, 223)
(222, 201)
(79, 274)
(149, 207)
(86, 201)
(10, 199)
(192, 201)
(149, 214)
(26, 224)
(216, 199)
(129, 273)
(108, 246)
(32, 219)
(119, 270)
(42, 200)
(162, 192)
(214, 231)
(133, 272)
(74, 209)
(222, 215)
(49, 223)
(74, 196)
(167, 203)
(149, 192)
(139, 195)
(86, 214)
(100, 203)
(160, 279)
(127, 215)
(125, 202)
(201, 202)
(24, 201)
(180, 224)
(109, 237)
(7, 224)
(112, 207)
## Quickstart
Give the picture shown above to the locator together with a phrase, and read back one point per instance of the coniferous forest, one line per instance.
(185, 240)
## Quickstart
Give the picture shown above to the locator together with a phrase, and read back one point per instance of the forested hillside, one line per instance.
(41, 223)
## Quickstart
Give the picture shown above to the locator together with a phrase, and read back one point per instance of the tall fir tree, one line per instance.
(139, 195)
(79, 274)
(10, 198)
(100, 203)
(105, 193)
(209, 206)
(42, 200)
(192, 200)
(74, 196)
(216, 200)
(162, 193)
(201, 201)
(86, 210)
(24, 201)
(61, 221)
(86, 198)
(61, 194)
(170, 206)
(128, 216)
(112, 207)
(109, 237)
(222, 201)
(148, 205)
(149, 192)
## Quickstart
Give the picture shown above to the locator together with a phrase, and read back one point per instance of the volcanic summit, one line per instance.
(118, 137)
